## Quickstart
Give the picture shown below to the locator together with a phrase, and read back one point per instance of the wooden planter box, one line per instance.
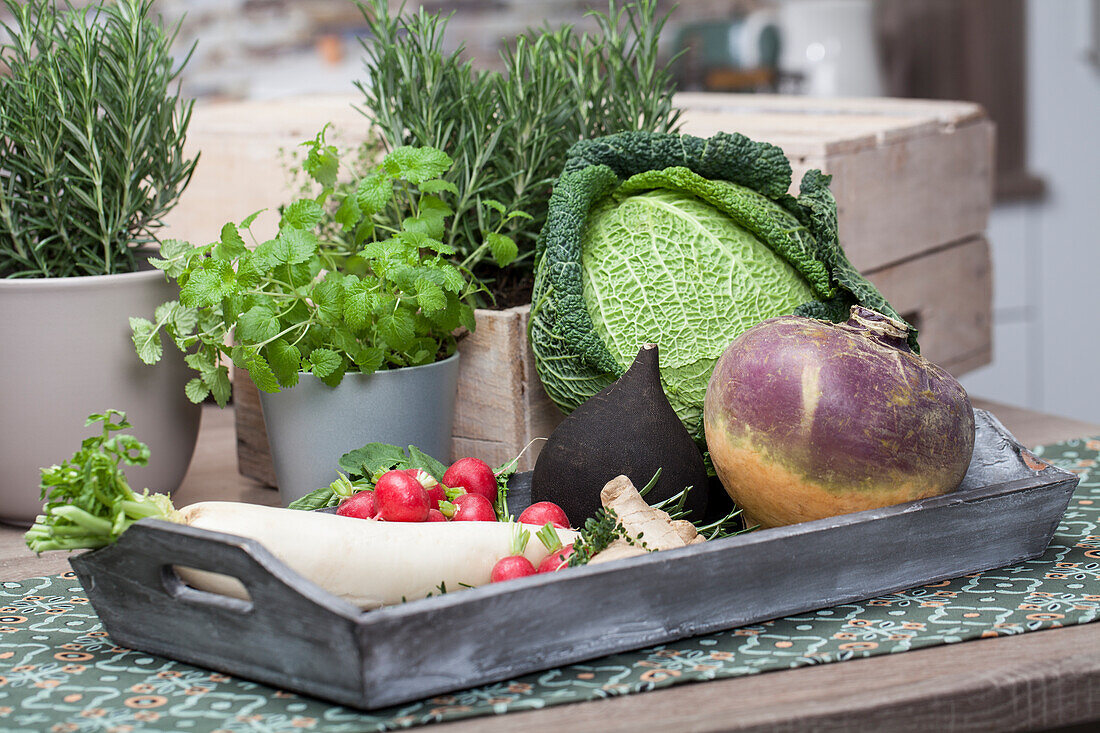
(913, 181)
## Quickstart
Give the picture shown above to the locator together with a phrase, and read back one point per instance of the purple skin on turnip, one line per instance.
(807, 419)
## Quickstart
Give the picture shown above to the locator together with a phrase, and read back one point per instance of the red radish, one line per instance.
(515, 565)
(559, 556)
(361, 505)
(434, 488)
(401, 498)
(474, 475)
(473, 508)
(436, 495)
(434, 515)
(544, 512)
(556, 560)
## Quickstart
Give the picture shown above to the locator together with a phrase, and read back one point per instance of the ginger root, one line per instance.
(657, 530)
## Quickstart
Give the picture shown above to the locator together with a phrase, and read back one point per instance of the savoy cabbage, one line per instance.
(682, 242)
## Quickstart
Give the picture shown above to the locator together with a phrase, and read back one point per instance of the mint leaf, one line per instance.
(333, 379)
(359, 303)
(146, 340)
(431, 220)
(429, 295)
(257, 324)
(466, 317)
(231, 245)
(452, 278)
(373, 193)
(348, 215)
(263, 257)
(436, 246)
(387, 248)
(247, 221)
(328, 296)
(324, 362)
(302, 214)
(446, 320)
(183, 320)
(369, 359)
(285, 361)
(200, 362)
(174, 257)
(437, 185)
(417, 165)
(397, 328)
(294, 246)
(196, 390)
(495, 205)
(435, 207)
(503, 248)
(323, 162)
(207, 286)
(260, 371)
(218, 382)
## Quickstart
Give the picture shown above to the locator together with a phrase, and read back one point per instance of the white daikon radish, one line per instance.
(366, 562)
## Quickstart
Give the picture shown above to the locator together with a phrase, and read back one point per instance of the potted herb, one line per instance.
(508, 132)
(357, 315)
(92, 131)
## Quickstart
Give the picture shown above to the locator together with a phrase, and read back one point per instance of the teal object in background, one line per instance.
(747, 42)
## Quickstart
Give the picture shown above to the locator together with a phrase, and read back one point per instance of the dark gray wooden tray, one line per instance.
(296, 636)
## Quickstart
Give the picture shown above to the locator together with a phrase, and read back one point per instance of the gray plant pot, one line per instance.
(65, 352)
(311, 425)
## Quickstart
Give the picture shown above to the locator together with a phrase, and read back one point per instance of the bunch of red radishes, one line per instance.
(468, 493)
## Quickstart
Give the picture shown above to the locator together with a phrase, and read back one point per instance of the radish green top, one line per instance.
(683, 242)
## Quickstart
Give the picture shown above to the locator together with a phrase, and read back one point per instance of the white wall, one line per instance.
(1046, 254)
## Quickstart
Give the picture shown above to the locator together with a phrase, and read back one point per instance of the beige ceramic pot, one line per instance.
(66, 352)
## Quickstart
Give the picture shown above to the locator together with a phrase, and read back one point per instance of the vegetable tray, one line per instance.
(295, 636)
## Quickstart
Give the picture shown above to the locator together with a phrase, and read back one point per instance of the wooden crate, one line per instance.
(912, 178)
(909, 176)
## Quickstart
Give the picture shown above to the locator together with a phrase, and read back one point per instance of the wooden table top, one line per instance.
(1028, 682)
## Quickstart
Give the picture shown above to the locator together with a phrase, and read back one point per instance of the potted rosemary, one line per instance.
(354, 304)
(508, 131)
(91, 158)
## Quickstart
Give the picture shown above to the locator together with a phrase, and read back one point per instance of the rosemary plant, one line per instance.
(508, 132)
(92, 129)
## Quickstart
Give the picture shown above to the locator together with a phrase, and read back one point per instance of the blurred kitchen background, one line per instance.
(1034, 65)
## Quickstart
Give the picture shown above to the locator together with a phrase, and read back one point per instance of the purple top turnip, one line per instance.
(807, 419)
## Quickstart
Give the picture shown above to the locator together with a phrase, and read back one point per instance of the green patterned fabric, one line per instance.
(60, 672)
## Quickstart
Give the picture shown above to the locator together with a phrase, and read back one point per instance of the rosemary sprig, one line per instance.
(91, 136)
(509, 131)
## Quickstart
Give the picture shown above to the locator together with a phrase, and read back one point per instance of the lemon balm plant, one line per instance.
(338, 292)
(335, 291)
(92, 133)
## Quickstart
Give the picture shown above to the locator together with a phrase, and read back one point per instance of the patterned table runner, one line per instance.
(59, 671)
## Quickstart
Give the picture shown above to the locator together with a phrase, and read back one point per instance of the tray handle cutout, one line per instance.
(248, 578)
(222, 591)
